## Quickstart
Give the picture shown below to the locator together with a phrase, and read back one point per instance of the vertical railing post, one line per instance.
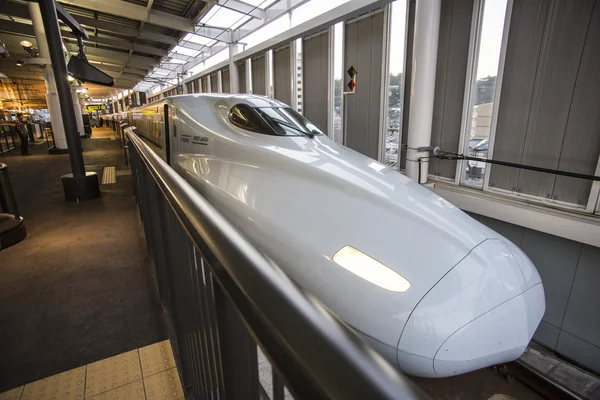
(238, 351)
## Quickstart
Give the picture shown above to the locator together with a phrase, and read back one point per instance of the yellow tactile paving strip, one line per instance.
(112, 372)
(145, 373)
(164, 385)
(156, 358)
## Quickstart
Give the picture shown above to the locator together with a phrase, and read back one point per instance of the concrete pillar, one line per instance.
(422, 91)
(58, 130)
(234, 78)
(78, 112)
(219, 82)
(249, 83)
(268, 72)
(183, 84)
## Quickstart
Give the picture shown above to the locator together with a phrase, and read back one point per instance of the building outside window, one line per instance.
(395, 82)
(338, 84)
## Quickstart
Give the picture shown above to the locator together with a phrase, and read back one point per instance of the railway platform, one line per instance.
(79, 288)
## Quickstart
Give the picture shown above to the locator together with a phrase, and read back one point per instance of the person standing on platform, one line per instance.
(23, 135)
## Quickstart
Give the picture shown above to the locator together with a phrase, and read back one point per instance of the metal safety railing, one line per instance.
(224, 297)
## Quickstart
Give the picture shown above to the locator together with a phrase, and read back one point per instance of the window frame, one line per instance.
(593, 205)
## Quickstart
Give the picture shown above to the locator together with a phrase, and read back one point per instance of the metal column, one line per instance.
(427, 25)
(78, 185)
(234, 78)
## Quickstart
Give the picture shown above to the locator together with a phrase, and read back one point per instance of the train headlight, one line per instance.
(370, 269)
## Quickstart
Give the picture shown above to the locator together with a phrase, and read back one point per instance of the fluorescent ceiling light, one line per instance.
(190, 37)
(370, 269)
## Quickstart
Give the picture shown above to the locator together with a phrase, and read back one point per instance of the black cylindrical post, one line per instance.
(78, 185)
(7, 197)
(12, 226)
(50, 18)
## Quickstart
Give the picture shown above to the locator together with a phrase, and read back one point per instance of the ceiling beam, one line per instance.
(112, 56)
(124, 44)
(134, 12)
(125, 30)
(14, 9)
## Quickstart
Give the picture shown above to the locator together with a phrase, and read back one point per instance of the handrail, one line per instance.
(316, 354)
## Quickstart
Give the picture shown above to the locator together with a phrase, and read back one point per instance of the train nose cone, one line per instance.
(482, 312)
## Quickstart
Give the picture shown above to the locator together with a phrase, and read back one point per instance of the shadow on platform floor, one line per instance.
(80, 288)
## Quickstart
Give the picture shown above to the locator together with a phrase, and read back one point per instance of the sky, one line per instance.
(491, 38)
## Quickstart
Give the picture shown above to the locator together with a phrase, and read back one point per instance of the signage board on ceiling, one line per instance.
(95, 107)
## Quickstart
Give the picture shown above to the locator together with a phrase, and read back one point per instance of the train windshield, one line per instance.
(287, 122)
(277, 121)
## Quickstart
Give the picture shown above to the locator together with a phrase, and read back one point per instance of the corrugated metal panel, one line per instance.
(258, 76)
(450, 77)
(364, 50)
(315, 55)
(282, 74)
(225, 81)
(214, 83)
(581, 145)
(549, 91)
(584, 298)
(555, 80)
(204, 81)
(525, 37)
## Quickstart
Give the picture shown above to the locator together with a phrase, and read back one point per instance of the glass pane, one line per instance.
(395, 89)
(484, 91)
(338, 75)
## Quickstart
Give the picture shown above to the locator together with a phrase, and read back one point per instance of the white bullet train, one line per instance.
(431, 289)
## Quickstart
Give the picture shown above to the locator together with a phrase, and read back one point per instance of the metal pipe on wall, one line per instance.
(427, 24)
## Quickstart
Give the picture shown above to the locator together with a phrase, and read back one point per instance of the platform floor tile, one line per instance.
(115, 378)
(112, 372)
(68, 385)
(164, 385)
(13, 394)
(131, 391)
(156, 358)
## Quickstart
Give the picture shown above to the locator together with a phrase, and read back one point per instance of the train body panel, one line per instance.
(337, 222)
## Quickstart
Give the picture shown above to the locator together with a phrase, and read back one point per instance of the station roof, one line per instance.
(140, 43)
(127, 40)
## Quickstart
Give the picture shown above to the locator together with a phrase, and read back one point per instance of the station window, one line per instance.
(338, 84)
(482, 91)
(395, 83)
